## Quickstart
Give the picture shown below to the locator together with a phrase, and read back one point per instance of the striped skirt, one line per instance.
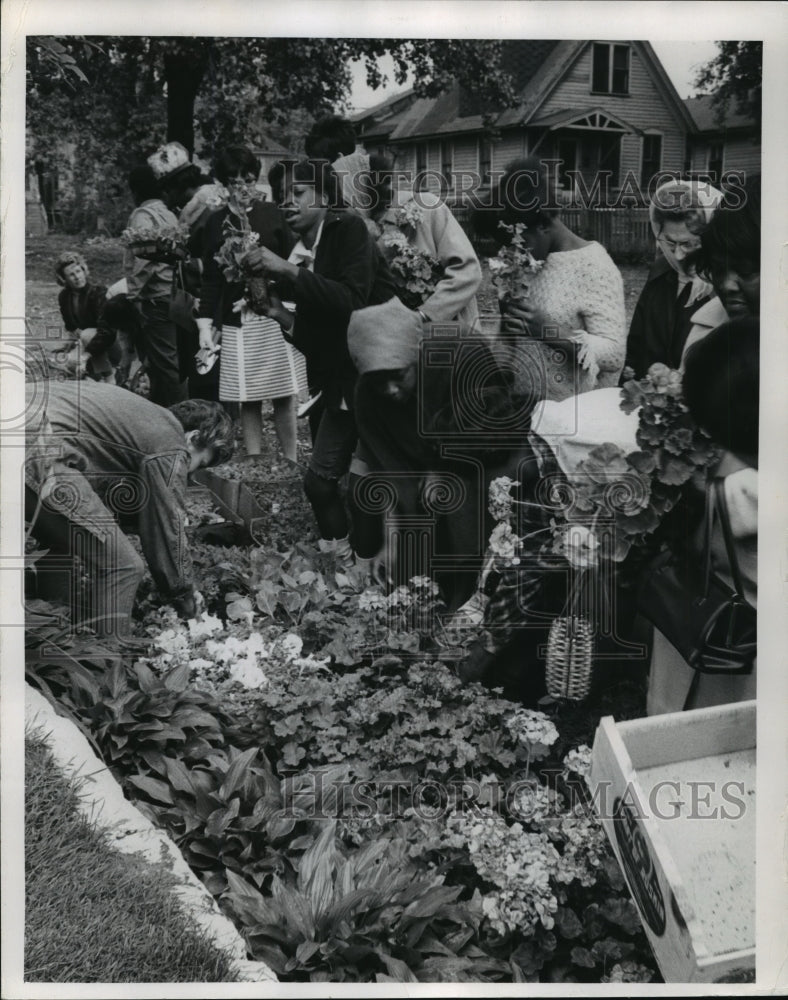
(258, 363)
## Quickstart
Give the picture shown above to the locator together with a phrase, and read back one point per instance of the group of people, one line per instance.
(429, 401)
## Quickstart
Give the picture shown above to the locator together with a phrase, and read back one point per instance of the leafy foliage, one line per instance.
(118, 97)
(734, 76)
(362, 814)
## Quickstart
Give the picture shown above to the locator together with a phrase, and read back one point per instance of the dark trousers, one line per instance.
(159, 348)
(334, 440)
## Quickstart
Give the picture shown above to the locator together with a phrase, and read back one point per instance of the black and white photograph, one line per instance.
(383, 400)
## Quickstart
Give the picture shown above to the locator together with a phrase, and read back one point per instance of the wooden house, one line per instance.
(605, 109)
(717, 148)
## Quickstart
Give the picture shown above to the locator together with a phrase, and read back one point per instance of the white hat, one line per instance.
(168, 160)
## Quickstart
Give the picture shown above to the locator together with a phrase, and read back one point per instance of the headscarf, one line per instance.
(683, 195)
(384, 337)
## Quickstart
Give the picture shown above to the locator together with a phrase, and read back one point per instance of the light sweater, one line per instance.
(581, 291)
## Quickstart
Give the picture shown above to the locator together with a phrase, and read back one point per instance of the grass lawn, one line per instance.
(93, 915)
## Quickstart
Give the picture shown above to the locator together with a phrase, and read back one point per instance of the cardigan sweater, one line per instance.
(578, 292)
(349, 273)
(217, 295)
(439, 234)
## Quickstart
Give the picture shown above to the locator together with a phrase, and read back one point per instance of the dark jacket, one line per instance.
(349, 273)
(217, 295)
(86, 311)
(660, 324)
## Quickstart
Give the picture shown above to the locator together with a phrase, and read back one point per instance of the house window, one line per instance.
(610, 69)
(652, 159)
(421, 166)
(447, 159)
(485, 160)
(716, 153)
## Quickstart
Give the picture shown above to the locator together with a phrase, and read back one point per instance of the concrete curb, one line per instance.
(132, 833)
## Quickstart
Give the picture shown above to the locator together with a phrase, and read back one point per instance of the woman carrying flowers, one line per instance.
(431, 259)
(564, 300)
(334, 269)
(256, 362)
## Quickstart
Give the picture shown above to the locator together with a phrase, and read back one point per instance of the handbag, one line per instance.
(708, 621)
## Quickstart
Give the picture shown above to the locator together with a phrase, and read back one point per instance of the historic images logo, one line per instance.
(638, 866)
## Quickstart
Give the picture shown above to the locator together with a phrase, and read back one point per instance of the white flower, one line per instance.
(371, 600)
(248, 674)
(501, 499)
(292, 645)
(172, 641)
(204, 625)
(227, 650)
(393, 238)
(505, 544)
(198, 663)
(579, 760)
(531, 728)
(580, 546)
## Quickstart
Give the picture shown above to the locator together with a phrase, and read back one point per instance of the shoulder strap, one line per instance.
(727, 534)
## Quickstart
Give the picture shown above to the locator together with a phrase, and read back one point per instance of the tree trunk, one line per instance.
(184, 69)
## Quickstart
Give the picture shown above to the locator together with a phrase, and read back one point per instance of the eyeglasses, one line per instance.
(686, 245)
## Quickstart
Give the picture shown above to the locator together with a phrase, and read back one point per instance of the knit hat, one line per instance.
(384, 338)
(168, 160)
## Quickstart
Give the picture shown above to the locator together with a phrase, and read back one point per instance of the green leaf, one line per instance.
(583, 958)
(219, 820)
(177, 679)
(324, 846)
(237, 773)
(568, 923)
(398, 970)
(293, 754)
(116, 680)
(157, 790)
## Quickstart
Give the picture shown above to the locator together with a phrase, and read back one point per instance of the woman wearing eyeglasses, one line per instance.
(679, 212)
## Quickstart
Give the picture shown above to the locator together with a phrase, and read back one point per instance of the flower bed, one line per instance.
(361, 814)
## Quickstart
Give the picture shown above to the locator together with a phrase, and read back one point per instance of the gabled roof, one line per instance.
(377, 110)
(702, 110)
(537, 67)
(597, 118)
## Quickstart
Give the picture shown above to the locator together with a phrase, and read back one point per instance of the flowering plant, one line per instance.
(513, 263)
(615, 500)
(166, 245)
(415, 272)
(238, 241)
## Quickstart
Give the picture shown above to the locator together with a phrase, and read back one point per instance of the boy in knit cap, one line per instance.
(431, 428)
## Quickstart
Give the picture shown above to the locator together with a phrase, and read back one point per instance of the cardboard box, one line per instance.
(676, 796)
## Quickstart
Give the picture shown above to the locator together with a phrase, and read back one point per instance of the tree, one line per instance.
(735, 76)
(117, 97)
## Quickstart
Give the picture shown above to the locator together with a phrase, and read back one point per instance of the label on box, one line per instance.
(638, 866)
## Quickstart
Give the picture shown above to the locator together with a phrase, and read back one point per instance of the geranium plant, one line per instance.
(514, 263)
(416, 272)
(166, 245)
(238, 241)
(614, 500)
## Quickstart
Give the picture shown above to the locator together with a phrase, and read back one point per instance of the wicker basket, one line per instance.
(570, 655)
